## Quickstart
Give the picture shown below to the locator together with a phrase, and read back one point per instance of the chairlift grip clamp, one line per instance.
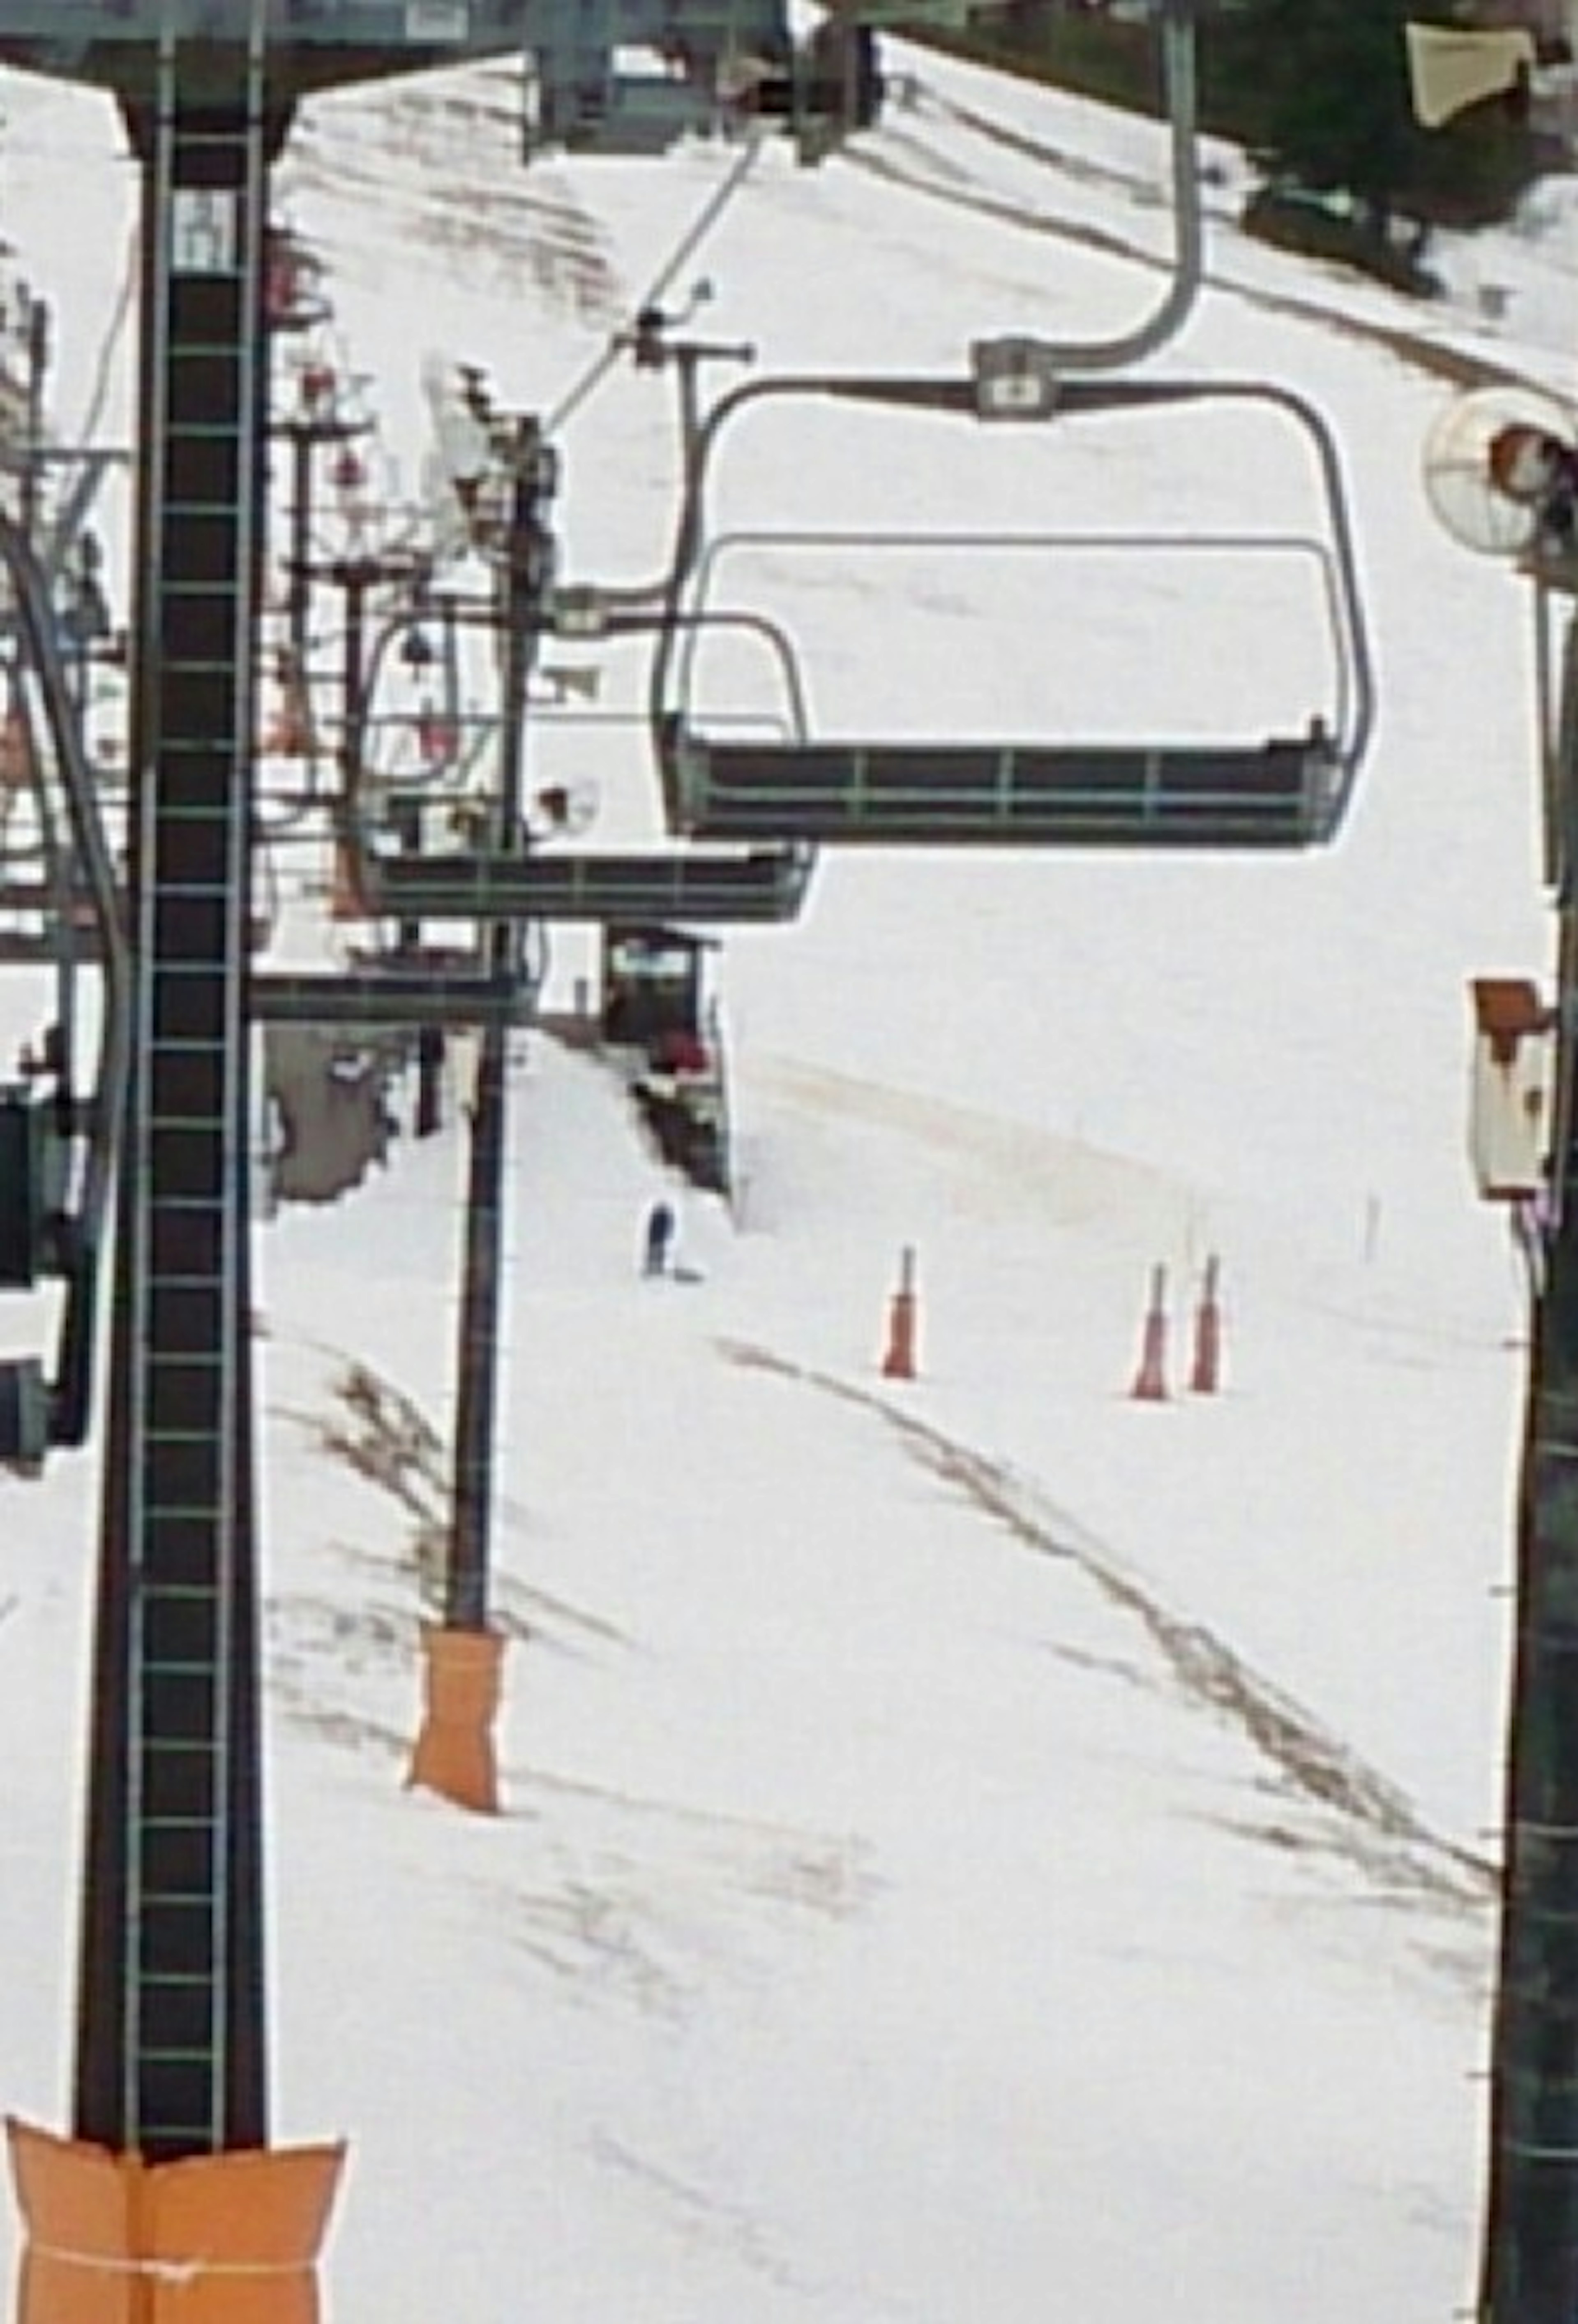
(1015, 379)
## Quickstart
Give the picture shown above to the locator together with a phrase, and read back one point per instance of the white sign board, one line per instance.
(205, 235)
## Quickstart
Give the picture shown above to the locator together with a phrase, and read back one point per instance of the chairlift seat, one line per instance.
(373, 999)
(764, 884)
(1285, 792)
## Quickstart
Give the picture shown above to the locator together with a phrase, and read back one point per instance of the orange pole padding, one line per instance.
(1205, 1372)
(1149, 1382)
(462, 1683)
(898, 1361)
(230, 2238)
(17, 768)
(346, 900)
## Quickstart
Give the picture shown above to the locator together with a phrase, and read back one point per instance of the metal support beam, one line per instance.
(171, 2050)
(1530, 2267)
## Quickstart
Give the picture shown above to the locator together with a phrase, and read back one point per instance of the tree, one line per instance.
(1329, 85)
(1323, 88)
(1316, 91)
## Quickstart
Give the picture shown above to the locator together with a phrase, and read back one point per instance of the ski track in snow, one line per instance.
(508, 230)
(528, 231)
(595, 1917)
(893, 156)
(1366, 1818)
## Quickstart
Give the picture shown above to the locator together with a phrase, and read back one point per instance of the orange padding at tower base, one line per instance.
(462, 1679)
(214, 2239)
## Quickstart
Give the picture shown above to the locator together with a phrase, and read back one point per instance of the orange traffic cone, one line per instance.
(288, 732)
(346, 900)
(16, 759)
(899, 1362)
(1206, 1374)
(1149, 1384)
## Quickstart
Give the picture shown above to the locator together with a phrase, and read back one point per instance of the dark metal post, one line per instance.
(528, 554)
(429, 1080)
(354, 579)
(171, 2034)
(38, 364)
(1529, 2272)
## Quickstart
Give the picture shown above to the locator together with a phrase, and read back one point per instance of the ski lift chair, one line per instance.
(479, 881)
(293, 294)
(1290, 788)
(653, 985)
(58, 1141)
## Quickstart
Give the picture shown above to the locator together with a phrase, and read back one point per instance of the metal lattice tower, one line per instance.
(171, 2053)
(171, 2036)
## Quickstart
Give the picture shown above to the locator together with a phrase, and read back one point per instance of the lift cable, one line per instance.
(711, 211)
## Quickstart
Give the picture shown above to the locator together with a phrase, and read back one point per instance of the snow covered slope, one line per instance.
(978, 1848)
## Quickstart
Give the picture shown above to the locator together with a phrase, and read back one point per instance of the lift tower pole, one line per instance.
(453, 1754)
(1530, 2267)
(527, 561)
(170, 2056)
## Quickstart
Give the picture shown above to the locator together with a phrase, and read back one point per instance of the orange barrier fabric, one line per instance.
(463, 1680)
(229, 2239)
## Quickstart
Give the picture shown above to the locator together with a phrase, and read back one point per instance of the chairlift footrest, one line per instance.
(391, 997)
(764, 884)
(1281, 793)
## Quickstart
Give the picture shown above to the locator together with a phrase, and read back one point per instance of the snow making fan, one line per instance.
(1496, 465)
(1501, 472)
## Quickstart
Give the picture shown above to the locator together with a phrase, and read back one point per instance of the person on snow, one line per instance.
(658, 1241)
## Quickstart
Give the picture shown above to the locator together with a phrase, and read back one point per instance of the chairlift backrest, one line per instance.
(654, 982)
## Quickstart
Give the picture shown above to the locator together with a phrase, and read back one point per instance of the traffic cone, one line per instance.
(346, 900)
(16, 758)
(899, 1360)
(288, 733)
(1150, 1385)
(1205, 1373)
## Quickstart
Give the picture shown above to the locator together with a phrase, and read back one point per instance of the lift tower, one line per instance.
(171, 2041)
(171, 2056)
(171, 2062)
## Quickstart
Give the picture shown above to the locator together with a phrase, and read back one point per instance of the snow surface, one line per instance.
(989, 1847)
